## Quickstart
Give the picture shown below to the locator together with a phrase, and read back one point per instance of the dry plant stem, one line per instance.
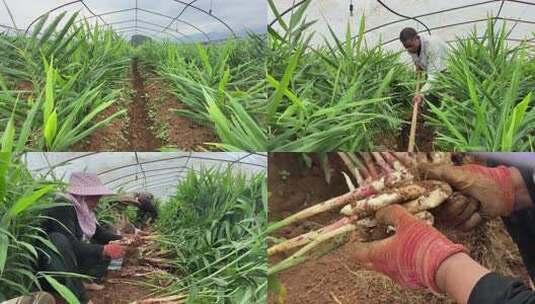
(406, 158)
(368, 162)
(305, 238)
(303, 255)
(361, 192)
(348, 181)
(381, 162)
(414, 118)
(164, 299)
(391, 159)
(352, 167)
(378, 201)
(308, 237)
(360, 166)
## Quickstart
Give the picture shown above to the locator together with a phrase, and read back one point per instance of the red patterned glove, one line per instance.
(113, 251)
(412, 255)
(492, 187)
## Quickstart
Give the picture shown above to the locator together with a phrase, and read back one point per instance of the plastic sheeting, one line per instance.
(447, 19)
(156, 172)
(181, 20)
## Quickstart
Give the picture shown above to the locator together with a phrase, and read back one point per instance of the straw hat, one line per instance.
(81, 183)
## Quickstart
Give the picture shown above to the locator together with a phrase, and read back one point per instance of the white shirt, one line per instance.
(432, 58)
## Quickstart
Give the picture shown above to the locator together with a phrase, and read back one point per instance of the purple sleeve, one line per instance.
(520, 160)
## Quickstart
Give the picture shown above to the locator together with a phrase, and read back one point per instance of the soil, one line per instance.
(128, 133)
(120, 290)
(112, 137)
(181, 132)
(149, 124)
(24, 85)
(335, 278)
(141, 138)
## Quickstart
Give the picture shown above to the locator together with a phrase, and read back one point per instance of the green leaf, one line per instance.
(4, 245)
(9, 135)
(51, 129)
(65, 292)
(48, 105)
(26, 201)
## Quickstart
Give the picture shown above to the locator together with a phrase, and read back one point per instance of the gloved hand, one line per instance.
(412, 255)
(417, 99)
(113, 251)
(459, 211)
(492, 187)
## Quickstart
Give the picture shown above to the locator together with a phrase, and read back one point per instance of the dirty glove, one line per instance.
(492, 187)
(459, 211)
(113, 251)
(412, 255)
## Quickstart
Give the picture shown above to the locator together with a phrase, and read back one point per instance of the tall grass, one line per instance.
(337, 96)
(347, 95)
(58, 80)
(487, 95)
(22, 202)
(214, 226)
(223, 85)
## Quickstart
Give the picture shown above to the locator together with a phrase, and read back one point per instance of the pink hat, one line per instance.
(85, 184)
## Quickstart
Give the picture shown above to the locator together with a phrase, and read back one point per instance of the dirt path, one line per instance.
(335, 278)
(174, 130)
(131, 132)
(121, 288)
(149, 124)
(140, 136)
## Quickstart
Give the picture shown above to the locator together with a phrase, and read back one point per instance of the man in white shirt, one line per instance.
(428, 54)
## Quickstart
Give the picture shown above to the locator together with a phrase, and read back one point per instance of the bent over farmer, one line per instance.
(83, 246)
(428, 54)
(419, 256)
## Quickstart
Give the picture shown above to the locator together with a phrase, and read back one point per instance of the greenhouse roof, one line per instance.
(178, 20)
(155, 172)
(385, 19)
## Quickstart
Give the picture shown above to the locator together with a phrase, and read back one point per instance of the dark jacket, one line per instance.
(65, 221)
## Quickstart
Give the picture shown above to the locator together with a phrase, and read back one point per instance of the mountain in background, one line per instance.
(139, 39)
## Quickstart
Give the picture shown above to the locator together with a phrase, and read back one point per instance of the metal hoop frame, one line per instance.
(136, 20)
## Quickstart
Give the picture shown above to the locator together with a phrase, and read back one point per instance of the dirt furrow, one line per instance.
(175, 131)
(140, 135)
(149, 123)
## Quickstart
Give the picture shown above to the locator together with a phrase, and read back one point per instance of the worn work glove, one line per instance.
(417, 99)
(492, 187)
(412, 256)
(113, 251)
(459, 211)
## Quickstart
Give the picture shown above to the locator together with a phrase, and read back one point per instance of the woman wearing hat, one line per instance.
(84, 246)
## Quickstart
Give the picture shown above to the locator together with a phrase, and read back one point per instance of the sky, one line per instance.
(240, 15)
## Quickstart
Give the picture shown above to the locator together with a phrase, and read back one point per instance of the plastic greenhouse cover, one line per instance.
(447, 19)
(179, 20)
(156, 172)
